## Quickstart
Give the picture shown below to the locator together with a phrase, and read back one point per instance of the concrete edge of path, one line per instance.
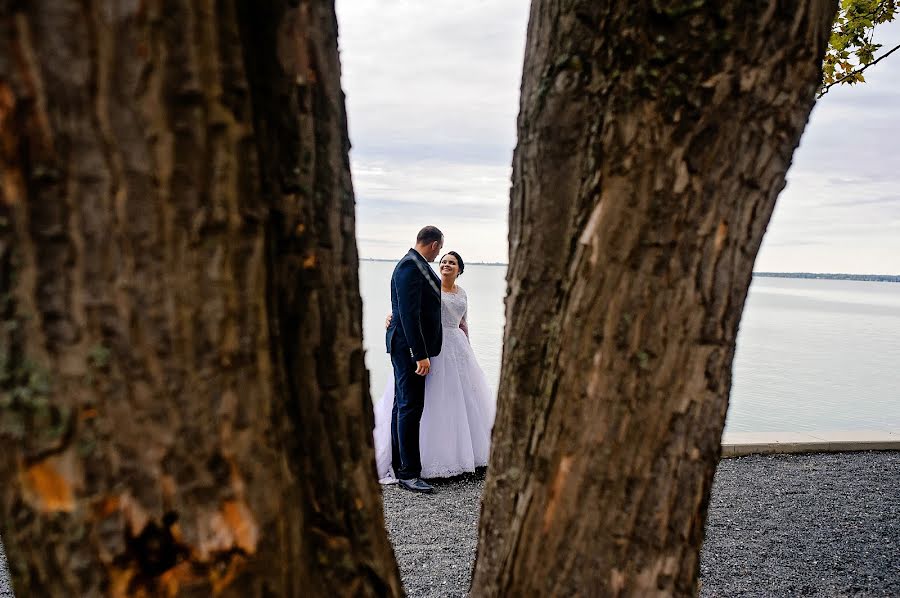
(737, 444)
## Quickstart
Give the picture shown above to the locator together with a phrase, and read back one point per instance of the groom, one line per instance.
(414, 335)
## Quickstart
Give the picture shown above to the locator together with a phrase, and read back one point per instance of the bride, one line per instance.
(455, 431)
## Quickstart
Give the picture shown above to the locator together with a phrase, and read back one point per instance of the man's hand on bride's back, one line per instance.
(387, 321)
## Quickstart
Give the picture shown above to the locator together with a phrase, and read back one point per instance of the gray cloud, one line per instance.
(890, 201)
(432, 95)
(390, 210)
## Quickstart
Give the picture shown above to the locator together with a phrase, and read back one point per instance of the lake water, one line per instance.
(811, 354)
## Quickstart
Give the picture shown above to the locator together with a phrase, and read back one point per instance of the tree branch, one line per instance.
(857, 71)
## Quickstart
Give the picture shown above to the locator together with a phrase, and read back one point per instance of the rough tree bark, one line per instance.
(184, 408)
(654, 138)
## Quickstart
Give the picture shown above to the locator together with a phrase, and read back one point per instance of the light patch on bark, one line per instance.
(562, 473)
(588, 236)
(135, 515)
(232, 526)
(656, 578)
(171, 581)
(50, 484)
(239, 518)
(616, 581)
(682, 177)
(721, 235)
(721, 85)
(596, 376)
(120, 581)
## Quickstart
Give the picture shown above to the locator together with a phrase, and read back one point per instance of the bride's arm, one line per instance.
(463, 325)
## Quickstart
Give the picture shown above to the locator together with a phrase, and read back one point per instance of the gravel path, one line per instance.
(804, 525)
(779, 525)
(5, 589)
(434, 536)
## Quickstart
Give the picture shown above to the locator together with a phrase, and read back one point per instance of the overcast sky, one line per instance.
(432, 98)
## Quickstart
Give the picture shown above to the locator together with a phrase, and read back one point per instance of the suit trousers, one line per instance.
(409, 402)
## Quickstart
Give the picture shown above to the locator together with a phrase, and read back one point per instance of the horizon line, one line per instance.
(755, 273)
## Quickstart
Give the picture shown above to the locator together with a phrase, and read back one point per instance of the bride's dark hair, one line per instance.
(459, 261)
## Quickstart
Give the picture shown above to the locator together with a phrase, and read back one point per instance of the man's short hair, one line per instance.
(429, 235)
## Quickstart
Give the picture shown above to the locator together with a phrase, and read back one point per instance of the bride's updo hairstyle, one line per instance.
(459, 261)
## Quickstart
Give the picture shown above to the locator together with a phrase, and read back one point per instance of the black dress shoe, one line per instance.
(416, 485)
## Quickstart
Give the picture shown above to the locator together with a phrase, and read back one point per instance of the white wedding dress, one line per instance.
(455, 432)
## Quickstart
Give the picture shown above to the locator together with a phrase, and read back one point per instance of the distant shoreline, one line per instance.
(468, 263)
(809, 275)
(831, 276)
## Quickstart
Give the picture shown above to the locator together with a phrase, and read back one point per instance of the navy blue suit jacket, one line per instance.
(415, 308)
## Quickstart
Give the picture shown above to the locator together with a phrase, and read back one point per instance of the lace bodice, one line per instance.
(453, 308)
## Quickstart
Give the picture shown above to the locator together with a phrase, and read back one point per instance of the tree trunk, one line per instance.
(185, 407)
(653, 141)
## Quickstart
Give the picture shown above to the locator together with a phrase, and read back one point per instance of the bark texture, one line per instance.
(653, 140)
(184, 407)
